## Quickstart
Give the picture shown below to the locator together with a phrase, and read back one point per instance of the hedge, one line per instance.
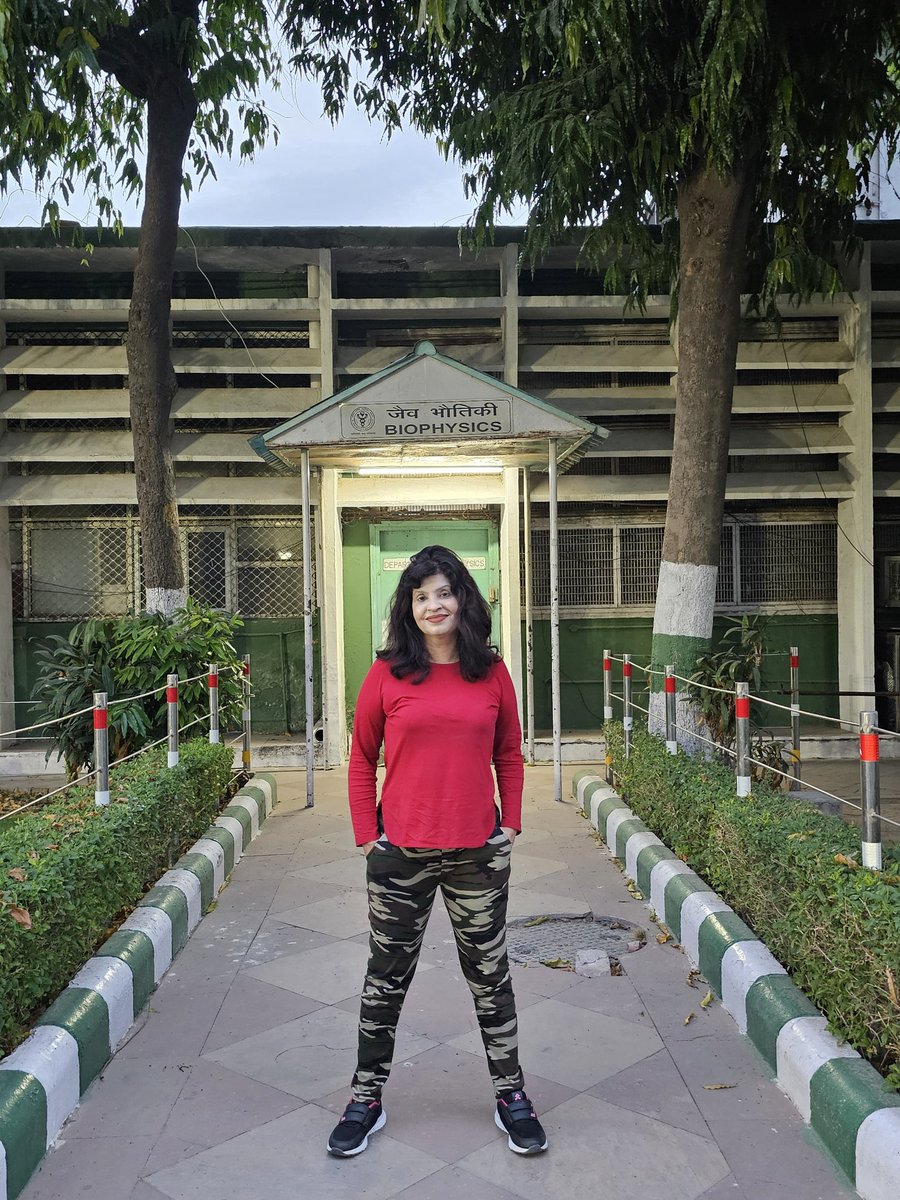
(792, 874)
(76, 870)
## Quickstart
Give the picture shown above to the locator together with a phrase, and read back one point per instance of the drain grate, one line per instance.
(549, 939)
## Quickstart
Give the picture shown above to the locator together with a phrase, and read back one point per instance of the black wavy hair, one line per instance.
(404, 646)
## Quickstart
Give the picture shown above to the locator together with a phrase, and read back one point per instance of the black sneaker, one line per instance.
(516, 1116)
(351, 1134)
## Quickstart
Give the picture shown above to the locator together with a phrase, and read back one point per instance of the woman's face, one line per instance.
(434, 607)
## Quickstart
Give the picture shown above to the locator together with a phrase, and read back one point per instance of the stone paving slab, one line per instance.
(231, 1084)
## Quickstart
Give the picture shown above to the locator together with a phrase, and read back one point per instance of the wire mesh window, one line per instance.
(725, 578)
(640, 550)
(207, 566)
(585, 561)
(788, 563)
(75, 572)
(619, 565)
(66, 335)
(270, 570)
(887, 536)
(237, 335)
(68, 570)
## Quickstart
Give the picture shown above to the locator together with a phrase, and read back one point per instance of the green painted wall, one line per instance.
(275, 647)
(357, 610)
(276, 650)
(582, 642)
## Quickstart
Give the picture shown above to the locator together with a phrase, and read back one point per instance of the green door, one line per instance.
(393, 545)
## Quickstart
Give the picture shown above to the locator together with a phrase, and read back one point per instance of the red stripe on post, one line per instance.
(742, 706)
(607, 664)
(100, 718)
(245, 668)
(868, 747)
(172, 695)
(626, 668)
(214, 681)
(670, 683)
(795, 660)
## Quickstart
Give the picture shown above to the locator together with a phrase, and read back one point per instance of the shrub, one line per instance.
(792, 874)
(711, 689)
(127, 656)
(71, 871)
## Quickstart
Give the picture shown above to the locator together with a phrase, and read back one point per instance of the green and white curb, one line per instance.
(837, 1092)
(43, 1080)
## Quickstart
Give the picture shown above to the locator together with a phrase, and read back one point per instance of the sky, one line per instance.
(318, 174)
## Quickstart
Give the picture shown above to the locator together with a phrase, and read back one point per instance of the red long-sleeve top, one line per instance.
(440, 738)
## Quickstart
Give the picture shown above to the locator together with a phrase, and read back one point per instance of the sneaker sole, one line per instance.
(512, 1145)
(379, 1124)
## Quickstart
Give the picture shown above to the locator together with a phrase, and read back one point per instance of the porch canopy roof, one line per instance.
(428, 411)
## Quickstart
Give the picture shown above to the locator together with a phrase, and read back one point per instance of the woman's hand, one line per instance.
(510, 833)
(366, 848)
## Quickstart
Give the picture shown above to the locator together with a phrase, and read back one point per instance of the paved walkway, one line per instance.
(229, 1084)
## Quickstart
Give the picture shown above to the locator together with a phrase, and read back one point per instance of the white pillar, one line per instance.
(326, 324)
(855, 545)
(554, 627)
(511, 581)
(529, 617)
(330, 579)
(308, 664)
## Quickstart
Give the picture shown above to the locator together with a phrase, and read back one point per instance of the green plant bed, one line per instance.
(71, 872)
(792, 874)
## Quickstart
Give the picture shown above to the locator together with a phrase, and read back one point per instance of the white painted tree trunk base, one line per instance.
(691, 734)
(165, 600)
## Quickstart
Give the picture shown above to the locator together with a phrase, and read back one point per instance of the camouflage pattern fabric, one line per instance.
(402, 884)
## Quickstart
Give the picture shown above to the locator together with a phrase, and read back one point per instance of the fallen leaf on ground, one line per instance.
(536, 921)
(20, 916)
(662, 938)
(558, 964)
(718, 1087)
(690, 1017)
(17, 873)
(707, 1000)
(892, 987)
(692, 977)
(845, 861)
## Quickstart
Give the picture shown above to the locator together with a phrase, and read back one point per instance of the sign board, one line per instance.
(391, 420)
(400, 564)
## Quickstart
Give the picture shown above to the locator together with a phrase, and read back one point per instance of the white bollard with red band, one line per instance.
(795, 711)
(607, 687)
(213, 704)
(870, 790)
(245, 688)
(671, 739)
(742, 737)
(172, 707)
(101, 750)
(627, 717)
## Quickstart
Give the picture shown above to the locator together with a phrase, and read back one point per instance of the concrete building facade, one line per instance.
(266, 323)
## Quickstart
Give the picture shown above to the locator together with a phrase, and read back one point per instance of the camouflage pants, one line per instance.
(402, 885)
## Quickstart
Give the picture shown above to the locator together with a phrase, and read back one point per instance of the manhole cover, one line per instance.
(558, 939)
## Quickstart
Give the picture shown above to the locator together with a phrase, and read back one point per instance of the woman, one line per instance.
(441, 701)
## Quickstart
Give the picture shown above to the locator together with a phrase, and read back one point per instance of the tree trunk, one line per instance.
(171, 108)
(713, 216)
